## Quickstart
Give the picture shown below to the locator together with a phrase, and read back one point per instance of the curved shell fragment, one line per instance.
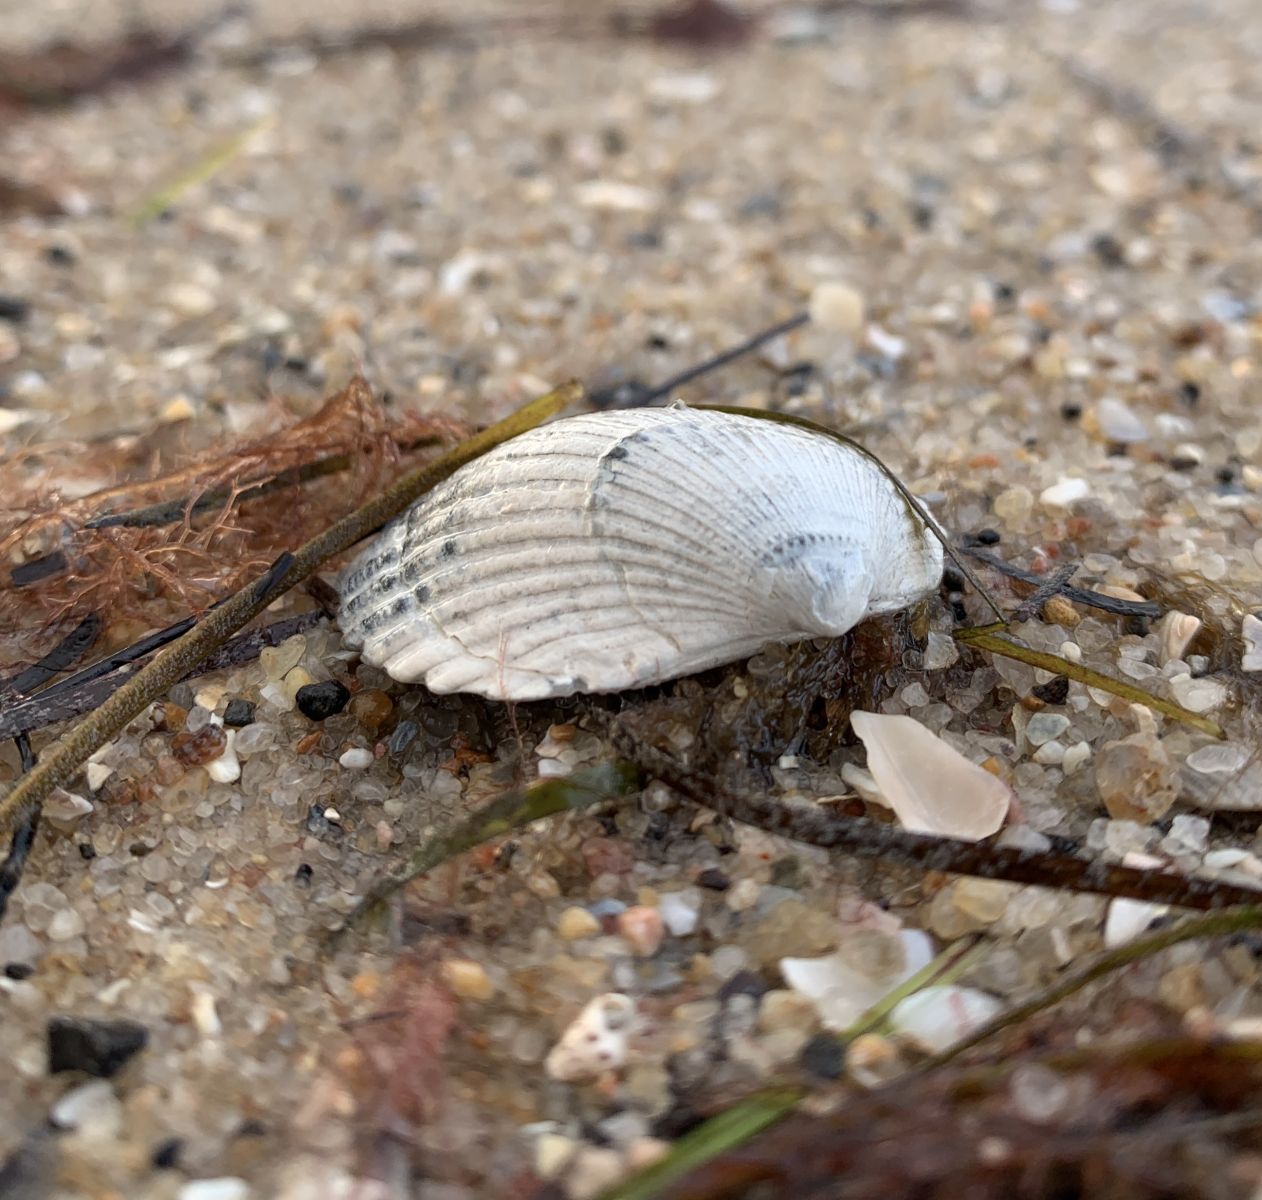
(931, 786)
(615, 550)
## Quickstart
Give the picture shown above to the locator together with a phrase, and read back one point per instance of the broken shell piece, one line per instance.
(931, 787)
(595, 1042)
(614, 550)
(935, 1018)
(840, 992)
(1177, 631)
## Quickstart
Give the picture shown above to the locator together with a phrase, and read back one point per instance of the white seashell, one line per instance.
(614, 550)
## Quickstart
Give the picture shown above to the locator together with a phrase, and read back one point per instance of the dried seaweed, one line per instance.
(104, 553)
(68, 755)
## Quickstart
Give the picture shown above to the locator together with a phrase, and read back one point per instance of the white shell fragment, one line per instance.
(935, 1018)
(615, 550)
(595, 1042)
(931, 787)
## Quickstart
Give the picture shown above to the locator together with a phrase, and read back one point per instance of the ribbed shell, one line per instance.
(613, 550)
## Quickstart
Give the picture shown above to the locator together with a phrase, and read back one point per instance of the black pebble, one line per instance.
(87, 851)
(98, 1047)
(13, 309)
(167, 1154)
(316, 701)
(743, 983)
(1054, 691)
(988, 537)
(18, 970)
(302, 876)
(823, 1056)
(238, 713)
(1071, 410)
(1190, 393)
(714, 879)
(59, 256)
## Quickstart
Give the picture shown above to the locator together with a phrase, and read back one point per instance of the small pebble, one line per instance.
(98, 1047)
(575, 923)
(1065, 493)
(468, 979)
(1251, 634)
(226, 1187)
(238, 713)
(319, 701)
(837, 307)
(1060, 611)
(1198, 695)
(743, 895)
(680, 911)
(372, 708)
(1118, 423)
(1135, 778)
(643, 929)
(1176, 630)
(356, 759)
(824, 1056)
(91, 1109)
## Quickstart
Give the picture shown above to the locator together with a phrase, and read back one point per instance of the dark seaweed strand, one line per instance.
(1108, 604)
(60, 658)
(67, 652)
(54, 705)
(865, 838)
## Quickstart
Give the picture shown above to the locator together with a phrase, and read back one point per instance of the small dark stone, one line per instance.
(403, 736)
(952, 580)
(98, 1047)
(823, 1056)
(18, 970)
(1005, 293)
(1183, 462)
(318, 701)
(238, 713)
(714, 879)
(1071, 410)
(1109, 250)
(1190, 393)
(1054, 691)
(13, 309)
(302, 876)
(922, 215)
(743, 983)
(1225, 474)
(166, 1154)
(988, 537)
(87, 851)
(59, 256)
(656, 341)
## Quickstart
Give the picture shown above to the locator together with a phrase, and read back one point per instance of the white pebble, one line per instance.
(1119, 423)
(227, 767)
(1075, 756)
(611, 196)
(1198, 695)
(92, 1109)
(1044, 726)
(97, 774)
(684, 87)
(680, 911)
(1218, 758)
(1064, 493)
(1127, 919)
(1251, 632)
(226, 1187)
(837, 307)
(356, 759)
